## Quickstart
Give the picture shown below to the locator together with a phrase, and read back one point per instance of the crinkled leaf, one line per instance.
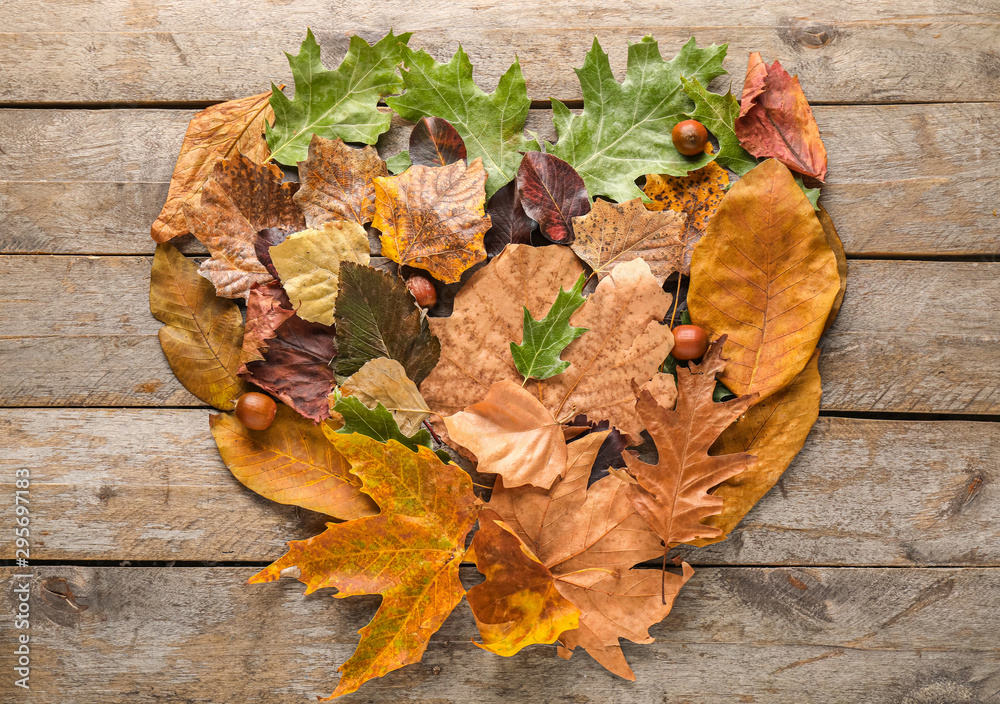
(340, 103)
(267, 308)
(624, 129)
(202, 334)
(492, 126)
(765, 276)
(308, 263)
(239, 200)
(377, 423)
(217, 132)
(509, 224)
(434, 142)
(614, 233)
(377, 317)
(291, 462)
(552, 194)
(543, 341)
(384, 381)
(338, 182)
(409, 553)
(718, 113)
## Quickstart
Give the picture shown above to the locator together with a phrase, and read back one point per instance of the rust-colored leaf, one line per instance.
(238, 200)
(672, 495)
(764, 276)
(409, 553)
(338, 182)
(217, 132)
(776, 120)
(434, 142)
(433, 218)
(625, 341)
(267, 308)
(697, 195)
(552, 193)
(202, 333)
(291, 462)
(774, 431)
(613, 233)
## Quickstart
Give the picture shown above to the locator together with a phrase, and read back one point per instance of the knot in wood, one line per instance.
(811, 34)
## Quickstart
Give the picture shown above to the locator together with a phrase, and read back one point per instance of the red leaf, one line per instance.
(776, 120)
(434, 142)
(296, 367)
(552, 193)
(509, 223)
(267, 308)
(267, 238)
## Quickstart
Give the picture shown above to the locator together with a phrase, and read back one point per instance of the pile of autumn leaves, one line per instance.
(538, 384)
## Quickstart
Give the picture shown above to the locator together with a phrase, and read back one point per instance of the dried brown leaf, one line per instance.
(338, 182)
(384, 381)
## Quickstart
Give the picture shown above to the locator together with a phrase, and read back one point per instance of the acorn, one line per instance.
(423, 290)
(255, 410)
(689, 137)
(690, 342)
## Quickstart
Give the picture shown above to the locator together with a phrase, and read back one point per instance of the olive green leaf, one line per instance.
(376, 423)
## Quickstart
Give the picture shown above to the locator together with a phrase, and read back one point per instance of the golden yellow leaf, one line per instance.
(338, 182)
(383, 380)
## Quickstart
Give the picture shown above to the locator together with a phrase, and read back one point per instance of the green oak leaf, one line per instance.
(718, 113)
(624, 130)
(378, 423)
(340, 103)
(492, 126)
(538, 355)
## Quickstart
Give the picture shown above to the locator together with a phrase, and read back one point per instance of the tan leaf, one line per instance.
(764, 276)
(434, 218)
(384, 381)
(774, 431)
(215, 133)
(833, 239)
(240, 199)
(308, 263)
(202, 336)
(291, 462)
(612, 233)
(697, 195)
(338, 182)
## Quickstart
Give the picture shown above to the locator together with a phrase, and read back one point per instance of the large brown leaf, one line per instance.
(672, 495)
(613, 233)
(218, 132)
(625, 342)
(291, 462)
(764, 276)
(202, 334)
(588, 539)
(433, 217)
(338, 182)
(774, 431)
(238, 200)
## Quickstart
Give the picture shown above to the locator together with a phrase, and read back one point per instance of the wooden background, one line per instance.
(869, 574)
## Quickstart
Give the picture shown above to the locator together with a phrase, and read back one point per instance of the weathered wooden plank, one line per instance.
(202, 635)
(91, 182)
(76, 331)
(149, 485)
(854, 54)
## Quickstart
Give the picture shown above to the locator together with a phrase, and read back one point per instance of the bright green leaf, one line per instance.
(399, 163)
(538, 355)
(718, 113)
(340, 103)
(492, 126)
(377, 423)
(624, 130)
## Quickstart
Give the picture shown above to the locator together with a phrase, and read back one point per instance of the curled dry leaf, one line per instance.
(384, 381)
(551, 193)
(238, 200)
(409, 553)
(338, 182)
(267, 308)
(433, 218)
(672, 495)
(291, 462)
(509, 224)
(764, 276)
(202, 334)
(833, 239)
(625, 341)
(774, 431)
(620, 232)
(776, 120)
(308, 263)
(217, 132)
(434, 142)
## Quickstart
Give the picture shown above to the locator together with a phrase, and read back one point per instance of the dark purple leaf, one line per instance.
(552, 193)
(610, 454)
(267, 238)
(434, 142)
(296, 367)
(509, 223)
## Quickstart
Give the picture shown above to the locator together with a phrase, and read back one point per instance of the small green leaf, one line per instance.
(538, 355)
(399, 163)
(718, 113)
(340, 103)
(378, 423)
(811, 193)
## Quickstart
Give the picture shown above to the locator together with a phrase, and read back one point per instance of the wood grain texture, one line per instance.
(76, 331)
(149, 485)
(199, 635)
(62, 194)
